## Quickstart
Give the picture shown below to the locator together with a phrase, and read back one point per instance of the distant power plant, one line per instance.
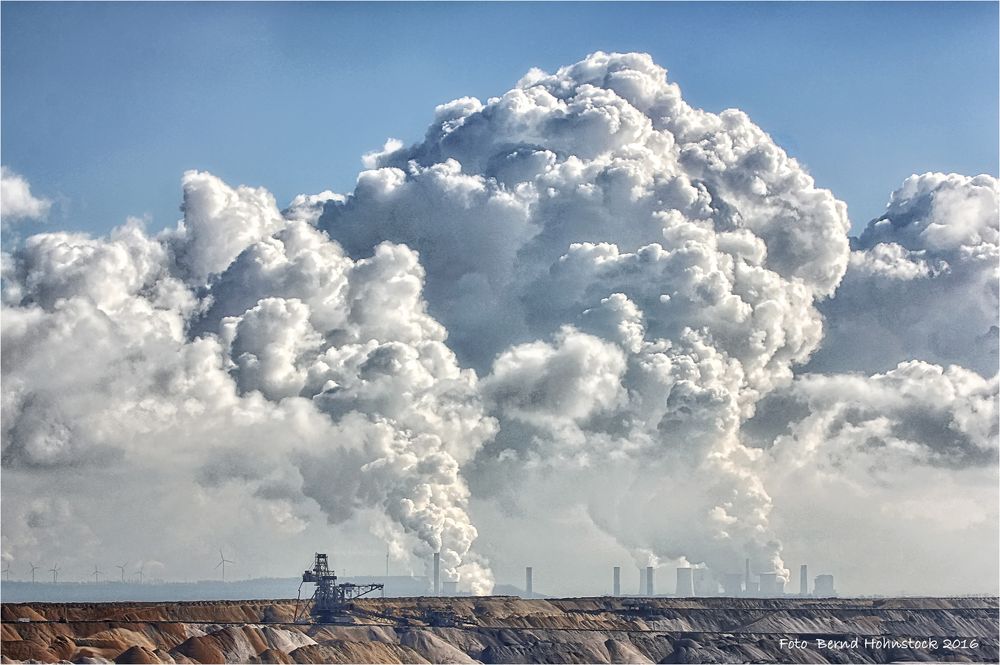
(732, 584)
(768, 585)
(823, 587)
(685, 583)
(691, 581)
(700, 582)
(704, 583)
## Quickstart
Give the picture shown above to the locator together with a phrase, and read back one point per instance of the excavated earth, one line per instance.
(501, 629)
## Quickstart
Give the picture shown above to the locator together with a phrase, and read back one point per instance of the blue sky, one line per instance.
(106, 104)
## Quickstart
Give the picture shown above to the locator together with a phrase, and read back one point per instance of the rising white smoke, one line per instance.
(908, 448)
(583, 299)
(659, 263)
(239, 323)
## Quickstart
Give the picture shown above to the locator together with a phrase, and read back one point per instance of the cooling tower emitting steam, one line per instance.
(584, 280)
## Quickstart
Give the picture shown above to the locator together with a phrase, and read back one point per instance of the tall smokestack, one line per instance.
(617, 585)
(437, 574)
(685, 583)
(803, 580)
(527, 581)
(649, 580)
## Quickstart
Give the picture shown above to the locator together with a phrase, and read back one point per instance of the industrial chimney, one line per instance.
(617, 586)
(685, 583)
(649, 581)
(803, 580)
(527, 582)
(437, 574)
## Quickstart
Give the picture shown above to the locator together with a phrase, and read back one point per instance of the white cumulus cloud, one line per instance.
(16, 200)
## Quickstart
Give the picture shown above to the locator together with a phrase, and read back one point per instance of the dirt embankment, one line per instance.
(508, 630)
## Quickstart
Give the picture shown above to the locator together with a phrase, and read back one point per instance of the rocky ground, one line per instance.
(502, 629)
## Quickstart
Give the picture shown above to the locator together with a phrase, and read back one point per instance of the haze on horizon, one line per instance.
(580, 323)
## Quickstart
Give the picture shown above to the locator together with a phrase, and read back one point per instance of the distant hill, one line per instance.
(270, 587)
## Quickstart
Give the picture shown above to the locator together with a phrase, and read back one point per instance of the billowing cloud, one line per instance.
(243, 348)
(922, 281)
(16, 200)
(916, 413)
(894, 420)
(906, 461)
(582, 307)
(605, 153)
(656, 267)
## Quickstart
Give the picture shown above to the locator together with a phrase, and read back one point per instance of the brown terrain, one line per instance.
(502, 629)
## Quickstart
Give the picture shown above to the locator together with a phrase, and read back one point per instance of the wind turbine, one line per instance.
(122, 568)
(55, 573)
(141, 566)
(222, 562)
(33, 569)
(96, 573)
(6, 572)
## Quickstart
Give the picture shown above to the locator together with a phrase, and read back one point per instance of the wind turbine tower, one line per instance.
(386, 571)
(222, 562)
(55, 573)
(122, 568)
(33, 569)
(97, 573)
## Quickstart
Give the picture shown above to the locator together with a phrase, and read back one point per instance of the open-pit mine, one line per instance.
(504, 629)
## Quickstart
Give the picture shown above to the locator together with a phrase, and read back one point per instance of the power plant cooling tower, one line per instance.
(824, 586)
(527, 581)
(685, 583)
(616, 587)
(803, 580)
(704, 584)
(768, 584)
(732, 585)
(649, 581)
